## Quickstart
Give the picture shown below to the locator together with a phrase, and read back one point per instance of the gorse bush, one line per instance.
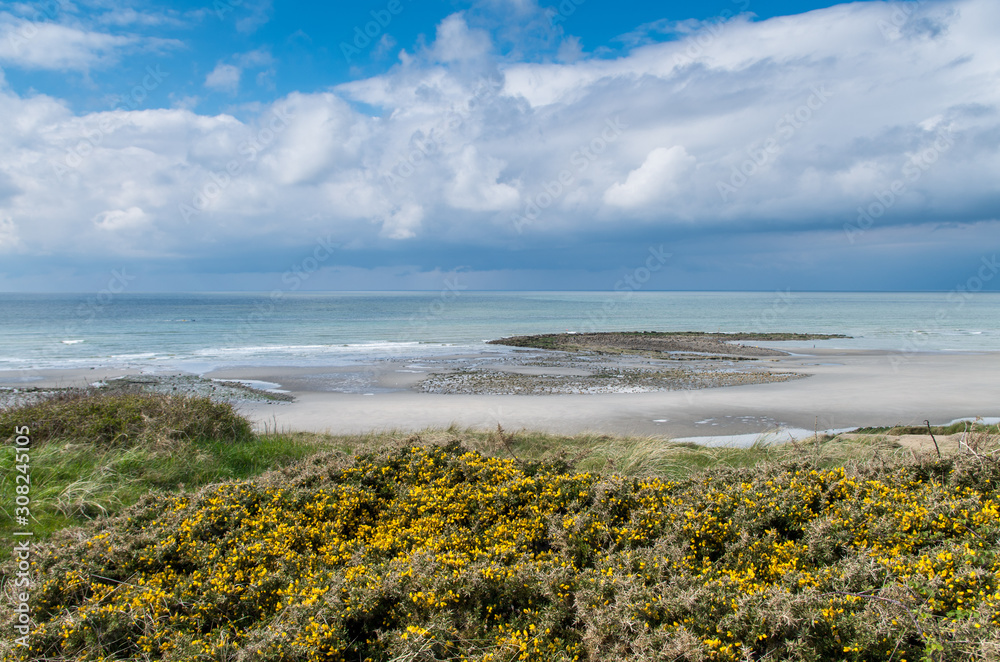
(439, 553)
(125, 419)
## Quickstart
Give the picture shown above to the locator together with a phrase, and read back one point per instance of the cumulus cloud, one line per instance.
(46, 36)
(225, 77)
(655, 180)
(794, 122)
(475, 186)
(255, 14)
(44, 45)
(456, 42)
(403, 222)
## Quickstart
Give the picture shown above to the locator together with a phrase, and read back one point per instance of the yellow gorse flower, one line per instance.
(463, 556)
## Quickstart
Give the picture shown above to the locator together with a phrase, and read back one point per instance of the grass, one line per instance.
(960, 427)
(125, 419)
(93, 454)
(176, 533)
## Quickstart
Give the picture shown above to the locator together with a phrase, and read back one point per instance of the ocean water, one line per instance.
(201, 332)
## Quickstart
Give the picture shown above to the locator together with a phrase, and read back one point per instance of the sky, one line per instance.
(232, 145)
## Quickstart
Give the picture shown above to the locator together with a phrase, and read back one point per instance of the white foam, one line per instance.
(985, 420)
(339, 348)
(781, 436)
(71, 342)
(143, 356)
(255, 383)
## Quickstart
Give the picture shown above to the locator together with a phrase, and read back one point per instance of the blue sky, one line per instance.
(524, 144)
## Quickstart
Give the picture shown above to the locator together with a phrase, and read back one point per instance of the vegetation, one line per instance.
(126, 419)
(961, 427)
(95, 453)
(569, 341)
(494, 546)
(741, 335)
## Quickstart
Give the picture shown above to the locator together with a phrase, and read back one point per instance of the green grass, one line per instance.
(954, 428)
(427, 551)
(94, 454)
(639, 456)
(112, 464)
(125, 419)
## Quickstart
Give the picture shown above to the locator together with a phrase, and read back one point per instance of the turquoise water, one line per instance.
(199, 332)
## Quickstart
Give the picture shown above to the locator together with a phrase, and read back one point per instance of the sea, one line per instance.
(201, 332)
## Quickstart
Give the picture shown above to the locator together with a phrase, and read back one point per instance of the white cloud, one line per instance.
(121, 219)
(260, 57)
(38, 45)
(475, 186)
(9, 240)
(258, 16)
(225, 77)
(805, 118)
(655, 180)
(456, 42)
(122, 16)
(403, 222)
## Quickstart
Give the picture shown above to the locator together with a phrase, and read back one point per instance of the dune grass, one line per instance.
(176, 533)
(95, 453)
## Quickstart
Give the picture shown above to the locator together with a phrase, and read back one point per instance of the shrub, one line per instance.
(125, 419)
(436, 552)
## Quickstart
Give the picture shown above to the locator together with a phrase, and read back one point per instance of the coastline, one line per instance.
(838, 390)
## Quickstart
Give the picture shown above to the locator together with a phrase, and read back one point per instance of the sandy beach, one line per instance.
(814, 388)
(844, 390)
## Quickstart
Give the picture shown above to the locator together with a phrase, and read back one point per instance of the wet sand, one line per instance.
(843, 390)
